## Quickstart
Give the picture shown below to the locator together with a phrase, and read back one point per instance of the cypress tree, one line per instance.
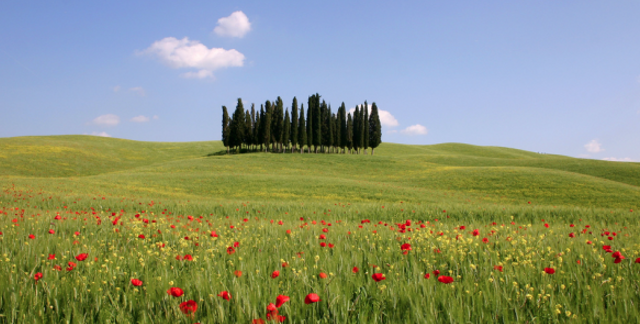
(365, 121)
(349, 133)
(309, 125)
(286, 131)
(375, 129)
(325, 113)
(248, 130)
(294, 124)
(279, 122)
(355, 139)
(342, 126)
(266, 125)
(253, 125)
(302, 130)
(257, 130)
(317, 122)
(225, 128)
(360, 130)
(334, 135)
(237, 127)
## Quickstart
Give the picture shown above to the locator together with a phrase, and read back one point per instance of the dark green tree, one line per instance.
(237, 127)
(355, 139)
(257, 130)
(302, 130)
(349, 133)
(309, 126)
(225, 128)
(286, 131)
(317, 121)
(253, 125)
(294, 124)
(365, 122)
(375, 129)
(361, 123)
(248, 130)
(342, 127)
(333, 131)
(278, 123)
(266, 126)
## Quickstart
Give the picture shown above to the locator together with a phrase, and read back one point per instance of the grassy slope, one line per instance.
(444, 173)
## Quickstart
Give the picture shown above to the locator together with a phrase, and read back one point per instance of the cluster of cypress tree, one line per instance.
(273, 129)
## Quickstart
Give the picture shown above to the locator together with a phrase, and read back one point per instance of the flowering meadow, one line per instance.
(96, 259)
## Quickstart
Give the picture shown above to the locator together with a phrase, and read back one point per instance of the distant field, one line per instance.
(447, 233)
(443, 173)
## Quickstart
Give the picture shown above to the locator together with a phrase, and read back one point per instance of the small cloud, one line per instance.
(140, 119)
(106, 120)
(155, 117)
(594, 146)
(236, 25)
(386, 118)
(392, 131)
(618, 160)
(415, 130)
(102, 134)
(197, 75)
(116, 88)
(185, 53)
(139, 90)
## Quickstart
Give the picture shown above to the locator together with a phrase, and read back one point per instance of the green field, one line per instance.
(191, 189)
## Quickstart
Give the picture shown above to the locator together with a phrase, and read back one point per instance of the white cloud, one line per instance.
(116, 88)
(106, 120)
(139, 90)
(197, 75)
(236, 25)
(155, 117)
(185, 53)
(594, 146)
(102, 134)
(386, 118)
(618, 160)
(140, 119)
(416, 129)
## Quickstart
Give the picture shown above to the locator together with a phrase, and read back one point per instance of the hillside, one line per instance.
(442, 173)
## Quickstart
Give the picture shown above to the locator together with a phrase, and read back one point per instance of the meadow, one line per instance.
(97, 230)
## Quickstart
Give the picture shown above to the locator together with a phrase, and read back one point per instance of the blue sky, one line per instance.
(544, 76)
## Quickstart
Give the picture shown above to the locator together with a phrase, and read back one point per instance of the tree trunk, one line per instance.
(372, 151)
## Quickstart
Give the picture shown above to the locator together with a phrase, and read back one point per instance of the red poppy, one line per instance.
(436, 272)
(546, 225)
(638, 260)
(311, 298)
(188, 307)
(231, 250)
(236, 244)
(275, 274)
(76, 233)
(322, 275)
(284, 264)
(377, 277)
(52, 231)
(51, 257)
(175, 292)
(136, 282)
(237, 273)
(82, 256)
(462, 228)
(31, 236)
(141, 236)
(485, 240)
(281, 299)
(326, 230)
(323, 244)
(572, 235)
(445, 279)
(57, 268)
(549, 270)
(37, 276)
(427, 276)
(322, 237)
(331, 246)
(355, 270)
(405, 247)
(225, 295)
(187, 257)
(476, 232)
(213, 234)
(258, 321)
(497, 267)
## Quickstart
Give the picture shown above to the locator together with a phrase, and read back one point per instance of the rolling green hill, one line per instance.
(441, 174)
